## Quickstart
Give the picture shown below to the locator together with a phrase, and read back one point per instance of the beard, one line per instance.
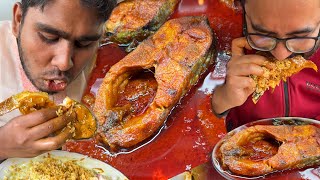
(40, 85)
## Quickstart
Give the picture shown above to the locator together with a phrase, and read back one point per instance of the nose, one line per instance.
(63, 58)
(280, 52)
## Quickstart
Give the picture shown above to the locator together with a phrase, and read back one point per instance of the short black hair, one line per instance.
(102, 7)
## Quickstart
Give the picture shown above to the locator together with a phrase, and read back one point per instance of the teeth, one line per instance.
(46, 82)
(58, 81)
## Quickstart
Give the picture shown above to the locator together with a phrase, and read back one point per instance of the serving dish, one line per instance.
(304, 173)
(89, 163)
(191, 131)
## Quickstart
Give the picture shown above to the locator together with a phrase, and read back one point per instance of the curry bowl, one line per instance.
(274, 148)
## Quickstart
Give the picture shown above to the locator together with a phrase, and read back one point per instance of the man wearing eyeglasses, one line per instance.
(284, 28)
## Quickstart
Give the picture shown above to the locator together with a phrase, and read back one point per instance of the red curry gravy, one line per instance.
(191, 131)
(138, 93)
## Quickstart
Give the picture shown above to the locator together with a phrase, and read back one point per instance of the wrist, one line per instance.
(3, 155)
(2, 159)
(219, 102)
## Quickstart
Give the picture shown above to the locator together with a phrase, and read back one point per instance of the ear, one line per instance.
(17, 19)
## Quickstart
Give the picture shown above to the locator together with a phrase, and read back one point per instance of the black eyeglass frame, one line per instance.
(246, 34)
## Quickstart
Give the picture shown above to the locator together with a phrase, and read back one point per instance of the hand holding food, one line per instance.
(253, 74)
(281, 71)
(32, 133)
(238, 85)
(29, 135)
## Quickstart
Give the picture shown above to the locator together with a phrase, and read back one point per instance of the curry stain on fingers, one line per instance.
(51, 126)
(72, 113)
(54, 142)
(66, 124)
(39, 117)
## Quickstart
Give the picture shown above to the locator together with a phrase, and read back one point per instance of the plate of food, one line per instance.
(58, 165)
(269, 148)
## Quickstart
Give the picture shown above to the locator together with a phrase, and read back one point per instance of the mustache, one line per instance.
(291, 56)
(295, 54)
(57, 73)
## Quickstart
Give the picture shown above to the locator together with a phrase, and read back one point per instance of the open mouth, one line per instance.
(56, 85)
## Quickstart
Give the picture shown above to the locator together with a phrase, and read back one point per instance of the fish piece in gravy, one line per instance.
(177, 54)
(137, 19)
(263, 149)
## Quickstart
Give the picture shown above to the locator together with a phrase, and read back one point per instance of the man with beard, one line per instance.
(49, 46)
(284, 29)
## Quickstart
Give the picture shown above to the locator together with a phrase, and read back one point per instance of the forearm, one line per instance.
(3, 155)
(2, 159)
(219, 100)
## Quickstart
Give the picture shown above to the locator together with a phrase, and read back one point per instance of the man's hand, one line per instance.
(238, 85)
(30, 135)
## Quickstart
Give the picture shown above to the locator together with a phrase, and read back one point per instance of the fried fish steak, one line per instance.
(83, 126)
(179, 52)
(281, 71)
(137, 19)
(262, 149)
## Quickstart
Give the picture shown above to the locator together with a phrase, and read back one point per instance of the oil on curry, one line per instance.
(162, 69)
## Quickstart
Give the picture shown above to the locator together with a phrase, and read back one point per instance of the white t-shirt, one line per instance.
(13, 79)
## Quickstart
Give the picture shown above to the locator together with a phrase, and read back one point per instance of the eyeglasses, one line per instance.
(268, 43)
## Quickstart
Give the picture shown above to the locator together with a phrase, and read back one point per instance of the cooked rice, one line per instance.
(50, 169)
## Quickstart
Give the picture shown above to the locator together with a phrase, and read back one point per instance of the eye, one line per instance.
(48, 38)
(83, 44)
